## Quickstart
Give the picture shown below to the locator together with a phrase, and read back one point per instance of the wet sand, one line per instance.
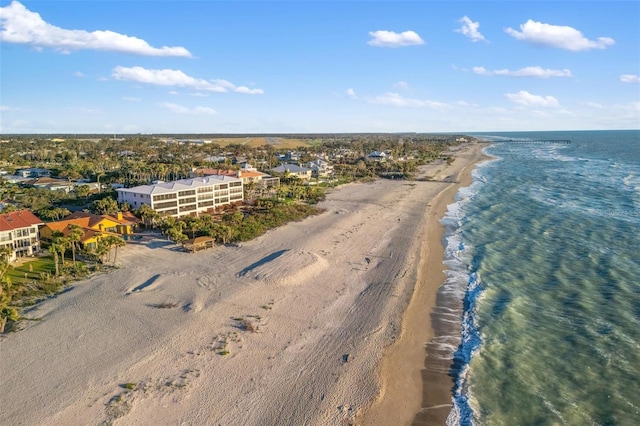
(416, 387)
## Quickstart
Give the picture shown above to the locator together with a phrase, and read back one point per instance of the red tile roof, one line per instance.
(18, 219)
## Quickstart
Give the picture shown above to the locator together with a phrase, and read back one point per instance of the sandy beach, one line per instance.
(319, 322)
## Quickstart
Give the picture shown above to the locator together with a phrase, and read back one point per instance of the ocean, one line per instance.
(544, 250)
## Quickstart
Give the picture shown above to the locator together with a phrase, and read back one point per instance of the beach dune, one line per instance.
(290, 328)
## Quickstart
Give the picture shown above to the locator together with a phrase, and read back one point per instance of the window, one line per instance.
(164, 197)
(165, 205)
(187, 193)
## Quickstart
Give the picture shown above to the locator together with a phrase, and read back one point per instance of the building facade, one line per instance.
(185, 197)
(19, 232)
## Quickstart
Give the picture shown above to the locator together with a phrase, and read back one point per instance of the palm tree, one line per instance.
(54, 248)
(75, 235)
(5, 255)
(102, 249)
(113, 241)
(59, 244)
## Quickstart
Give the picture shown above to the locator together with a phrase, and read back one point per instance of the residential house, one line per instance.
(247, 173)
(32, 172)
(51, 184)
(19, 232)
(186, 196)
(380, 156)
(123, 223)
(320, 168)
(94, 226)
(293, 169)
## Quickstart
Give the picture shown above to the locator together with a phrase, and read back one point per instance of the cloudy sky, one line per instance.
(318, 66)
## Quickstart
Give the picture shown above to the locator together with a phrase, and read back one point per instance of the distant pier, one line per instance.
(536, 141)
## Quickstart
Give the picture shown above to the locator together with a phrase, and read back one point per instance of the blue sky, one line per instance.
(318, 66)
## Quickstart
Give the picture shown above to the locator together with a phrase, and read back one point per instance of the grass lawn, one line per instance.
(38, 265)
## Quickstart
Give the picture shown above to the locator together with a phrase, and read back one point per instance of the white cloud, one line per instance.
(169, 77)
(527, 99)
(594, 105)
(165, 77)
(131, 99)
(401, 85)
(470, 29)
(199, 94)
(351, 93)
(179, 109)
(248, 91)
(79, 74)
(395, 99)
(384, 38)
(525, 72)
(8, 108)
(559, 36)
(21, 26)
(227, 85)
(173, 92)
(465, 104)
(630, 78)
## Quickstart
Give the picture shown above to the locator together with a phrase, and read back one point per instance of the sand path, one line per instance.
(326, 295)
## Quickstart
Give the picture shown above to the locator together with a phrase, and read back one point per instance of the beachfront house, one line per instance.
(93, 227)
(186, 196)
(19, 233)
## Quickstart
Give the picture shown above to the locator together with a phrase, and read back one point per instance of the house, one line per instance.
(293, 169)
(50, 183)
(186, 196)
(320, 168)
(247, 173)
(380, 156)
(19, 232)
(123, 223)
(32, 172)
(94, 227)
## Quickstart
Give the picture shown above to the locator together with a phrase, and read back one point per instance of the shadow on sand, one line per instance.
(262, 261)
(145, 284)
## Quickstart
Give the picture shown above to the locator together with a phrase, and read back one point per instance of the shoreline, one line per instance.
(416, 389)
(325, 298)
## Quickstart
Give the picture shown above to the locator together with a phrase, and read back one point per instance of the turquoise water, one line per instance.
(548, 237)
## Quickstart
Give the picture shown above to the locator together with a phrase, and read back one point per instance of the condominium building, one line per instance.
(185, 197)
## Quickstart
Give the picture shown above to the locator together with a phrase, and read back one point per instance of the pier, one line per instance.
(536, 141)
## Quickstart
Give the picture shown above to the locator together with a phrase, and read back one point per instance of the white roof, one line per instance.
(179, 185)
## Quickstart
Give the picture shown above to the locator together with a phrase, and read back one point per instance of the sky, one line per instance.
(112, 67)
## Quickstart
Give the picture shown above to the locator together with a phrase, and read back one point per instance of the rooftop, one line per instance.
(178, 185)
(18, 219)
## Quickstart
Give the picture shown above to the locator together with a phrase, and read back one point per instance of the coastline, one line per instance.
(416, 389)
(161, 339)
